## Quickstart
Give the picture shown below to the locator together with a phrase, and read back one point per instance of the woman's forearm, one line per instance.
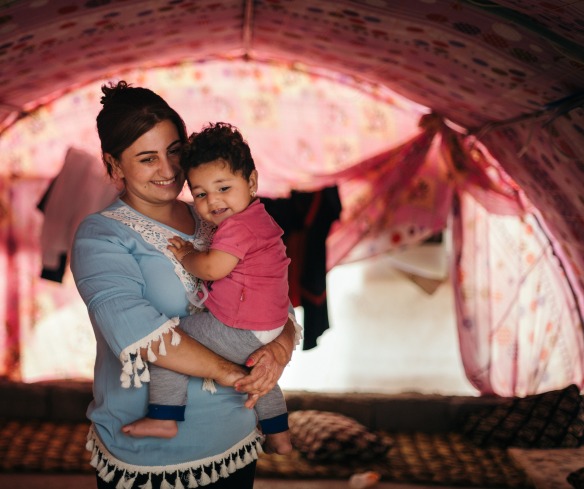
(191, 358)
(287, 339)
(268, 363)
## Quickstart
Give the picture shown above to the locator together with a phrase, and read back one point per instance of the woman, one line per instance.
(135, 291)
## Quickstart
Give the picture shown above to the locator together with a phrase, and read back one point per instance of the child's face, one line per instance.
(219, 193)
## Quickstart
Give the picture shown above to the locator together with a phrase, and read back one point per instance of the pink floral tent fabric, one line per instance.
(335, 92)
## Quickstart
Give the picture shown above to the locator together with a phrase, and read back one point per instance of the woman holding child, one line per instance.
(136, 291)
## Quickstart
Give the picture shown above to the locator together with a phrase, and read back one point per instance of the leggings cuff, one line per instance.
(277, 424)
(159, 411)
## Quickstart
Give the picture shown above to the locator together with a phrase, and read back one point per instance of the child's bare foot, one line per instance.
(159, 428)
(278, 443)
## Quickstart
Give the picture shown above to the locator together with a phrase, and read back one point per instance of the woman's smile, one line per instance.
(164, 183)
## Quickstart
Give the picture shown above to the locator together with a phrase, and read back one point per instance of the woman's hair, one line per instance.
(127, 114)
(219, 140)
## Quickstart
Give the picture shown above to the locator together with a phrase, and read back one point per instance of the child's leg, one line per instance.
(167, 395)
(236, 345)
(231, 343)
(273, 417)
(272, 412)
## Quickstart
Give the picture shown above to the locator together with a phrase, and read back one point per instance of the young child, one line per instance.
(246, 275)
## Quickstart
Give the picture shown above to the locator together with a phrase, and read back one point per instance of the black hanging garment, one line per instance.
(306, 218)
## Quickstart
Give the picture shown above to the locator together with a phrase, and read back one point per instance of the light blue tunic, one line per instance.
(135, 290)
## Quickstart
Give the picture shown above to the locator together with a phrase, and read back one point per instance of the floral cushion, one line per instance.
(323, 436)
(550, 420)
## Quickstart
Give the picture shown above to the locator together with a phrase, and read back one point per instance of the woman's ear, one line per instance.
(113, 165)
(253, 183)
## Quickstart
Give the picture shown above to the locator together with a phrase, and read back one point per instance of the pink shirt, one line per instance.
(254, 295)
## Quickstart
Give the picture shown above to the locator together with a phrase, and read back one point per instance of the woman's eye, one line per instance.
(174, 151)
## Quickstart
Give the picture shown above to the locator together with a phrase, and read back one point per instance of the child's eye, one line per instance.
(200, 195)
(224, 189)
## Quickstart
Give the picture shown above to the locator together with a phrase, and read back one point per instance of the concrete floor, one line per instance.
(55, 481)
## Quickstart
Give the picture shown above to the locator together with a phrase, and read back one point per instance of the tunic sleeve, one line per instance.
(111, 284)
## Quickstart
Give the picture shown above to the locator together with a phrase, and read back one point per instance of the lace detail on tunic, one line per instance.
(158, 236)
(134, 369)
(189, 474)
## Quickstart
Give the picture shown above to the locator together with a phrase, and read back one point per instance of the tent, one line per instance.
(492, 90)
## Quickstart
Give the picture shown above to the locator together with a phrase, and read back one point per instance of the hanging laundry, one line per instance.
(306, 218)
(80, 188)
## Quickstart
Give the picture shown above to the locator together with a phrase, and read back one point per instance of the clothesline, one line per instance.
(556, 108)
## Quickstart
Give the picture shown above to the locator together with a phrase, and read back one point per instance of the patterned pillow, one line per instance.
(550, 420)
(576, 478)
(322, 436)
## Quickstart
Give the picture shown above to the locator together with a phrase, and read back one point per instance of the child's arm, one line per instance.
(207, 265)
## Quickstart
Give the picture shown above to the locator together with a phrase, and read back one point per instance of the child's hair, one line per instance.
(218, 140)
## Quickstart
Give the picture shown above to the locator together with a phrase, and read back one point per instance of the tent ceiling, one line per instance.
(473, 61)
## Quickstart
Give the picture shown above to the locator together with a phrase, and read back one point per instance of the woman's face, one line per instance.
(150, 168)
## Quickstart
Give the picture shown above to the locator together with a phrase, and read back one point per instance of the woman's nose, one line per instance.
(168, 166)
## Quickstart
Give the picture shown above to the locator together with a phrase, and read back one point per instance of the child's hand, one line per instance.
(180, 248)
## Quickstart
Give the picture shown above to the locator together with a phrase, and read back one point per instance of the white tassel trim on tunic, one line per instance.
(195, 474)
(209, 386)
(148, 484)
(134, 369)
(297, 330)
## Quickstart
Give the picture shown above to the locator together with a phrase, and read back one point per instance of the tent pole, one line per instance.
(247, 28)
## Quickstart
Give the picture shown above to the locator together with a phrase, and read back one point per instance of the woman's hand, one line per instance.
(267, 365)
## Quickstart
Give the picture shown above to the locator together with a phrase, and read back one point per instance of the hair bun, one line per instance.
(111, 90)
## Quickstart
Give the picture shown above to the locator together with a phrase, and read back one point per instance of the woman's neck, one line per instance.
(175, 214)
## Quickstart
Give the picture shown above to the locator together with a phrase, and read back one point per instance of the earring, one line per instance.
(253, 194)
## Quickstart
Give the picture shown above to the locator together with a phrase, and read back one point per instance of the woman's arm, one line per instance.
(267, 363)
(189, 357)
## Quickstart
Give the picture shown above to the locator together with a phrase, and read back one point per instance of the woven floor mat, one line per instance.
(446, 459)
(36, 446)
(416, 458)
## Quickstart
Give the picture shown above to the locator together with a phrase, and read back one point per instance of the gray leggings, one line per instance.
(169, 388)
